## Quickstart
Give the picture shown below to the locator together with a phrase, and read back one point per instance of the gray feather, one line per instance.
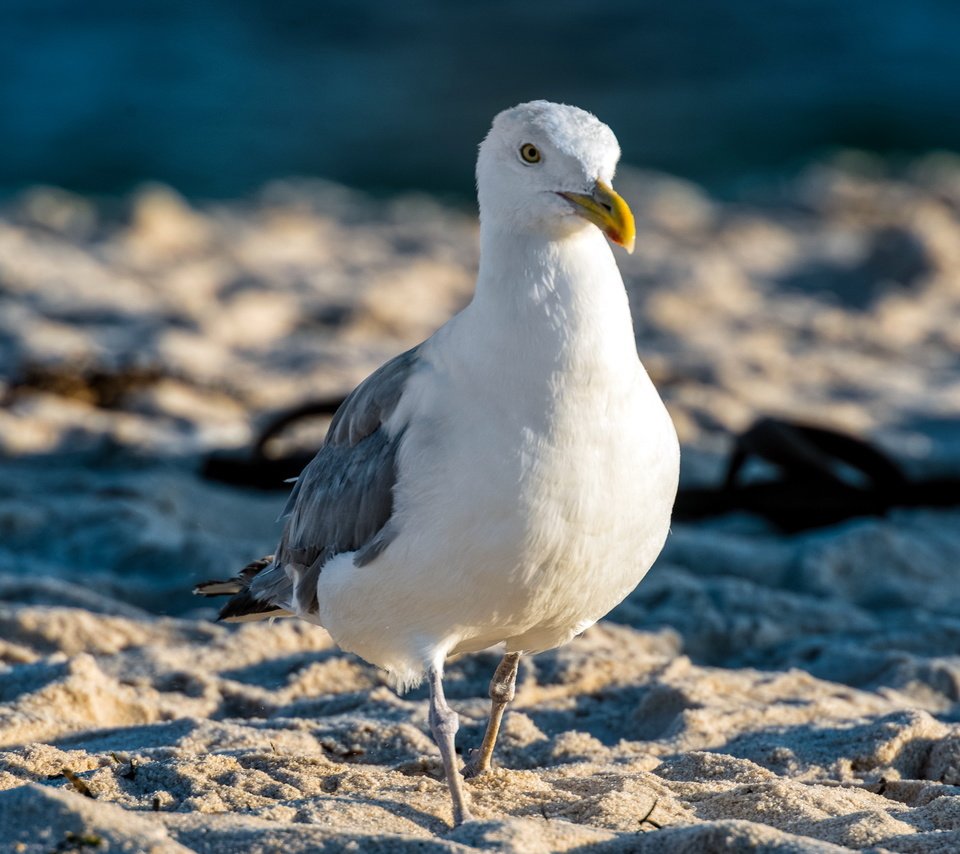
(372, 402)
(343, 500)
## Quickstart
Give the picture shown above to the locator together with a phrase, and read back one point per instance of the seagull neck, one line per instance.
(572, 284)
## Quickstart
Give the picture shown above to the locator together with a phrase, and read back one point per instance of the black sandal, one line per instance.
(256, 468)
(824, 478)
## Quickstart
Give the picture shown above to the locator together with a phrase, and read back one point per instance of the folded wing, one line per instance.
(342, 502)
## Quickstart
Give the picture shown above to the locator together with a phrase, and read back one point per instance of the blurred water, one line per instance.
(216, 96)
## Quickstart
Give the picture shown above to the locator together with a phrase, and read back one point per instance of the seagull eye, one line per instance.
(529, 153)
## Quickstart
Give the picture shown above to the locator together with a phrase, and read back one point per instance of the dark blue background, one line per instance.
(216, 96)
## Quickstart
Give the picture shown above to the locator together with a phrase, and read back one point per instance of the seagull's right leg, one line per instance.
(503, 688)
(444, 725)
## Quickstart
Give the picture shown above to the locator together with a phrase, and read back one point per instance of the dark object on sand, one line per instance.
(823, 476)
(256, 467)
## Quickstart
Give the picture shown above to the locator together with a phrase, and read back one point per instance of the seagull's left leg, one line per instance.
(502, 690)
(444, 725)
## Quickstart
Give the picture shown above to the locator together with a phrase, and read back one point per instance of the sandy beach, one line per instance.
(756, 692)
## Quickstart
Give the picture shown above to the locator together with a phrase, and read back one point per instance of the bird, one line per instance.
(510, 479)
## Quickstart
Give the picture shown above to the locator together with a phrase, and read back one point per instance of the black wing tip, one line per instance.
(255, 566)
(218, 587)
(232, 586)
(243, 607)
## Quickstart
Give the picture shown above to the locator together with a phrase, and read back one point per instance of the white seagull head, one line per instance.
(547, 169)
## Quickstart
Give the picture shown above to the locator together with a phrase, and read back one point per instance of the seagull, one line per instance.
(510, 479)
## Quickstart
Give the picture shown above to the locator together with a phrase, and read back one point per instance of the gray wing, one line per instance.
(343, 500)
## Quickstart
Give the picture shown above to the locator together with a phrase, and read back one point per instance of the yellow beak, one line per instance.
(606, 210)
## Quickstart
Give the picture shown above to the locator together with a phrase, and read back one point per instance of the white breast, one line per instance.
(563, 525)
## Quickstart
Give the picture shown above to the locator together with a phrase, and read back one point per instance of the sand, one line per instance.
(756, 692)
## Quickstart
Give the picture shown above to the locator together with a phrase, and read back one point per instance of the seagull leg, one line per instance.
(502, 691)
(444, 725)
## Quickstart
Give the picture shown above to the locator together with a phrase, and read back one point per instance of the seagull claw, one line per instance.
(474, 766)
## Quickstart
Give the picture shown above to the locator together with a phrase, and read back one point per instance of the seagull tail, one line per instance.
(244, 606)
